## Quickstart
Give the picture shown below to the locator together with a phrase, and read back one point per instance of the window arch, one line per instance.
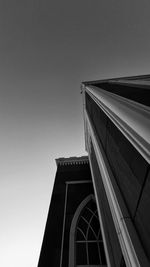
(86, 244)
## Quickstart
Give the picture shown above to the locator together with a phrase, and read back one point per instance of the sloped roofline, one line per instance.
(117, 79)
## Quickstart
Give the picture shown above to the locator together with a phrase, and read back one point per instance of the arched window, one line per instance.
(88, 249)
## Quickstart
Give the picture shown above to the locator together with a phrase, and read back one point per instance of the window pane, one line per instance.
(95, 225)
(99, 235)
(87, 214)
(92, 206)
(91, 235)
(93, 253)
(80, 235)
(81, 255)
(83, 225)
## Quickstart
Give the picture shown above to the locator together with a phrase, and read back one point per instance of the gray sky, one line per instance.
(46, 49)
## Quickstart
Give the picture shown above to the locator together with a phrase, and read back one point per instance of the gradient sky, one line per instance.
(46, 49)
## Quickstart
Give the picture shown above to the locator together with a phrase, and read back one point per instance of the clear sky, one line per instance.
(46, 49)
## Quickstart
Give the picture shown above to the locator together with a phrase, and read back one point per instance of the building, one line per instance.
(72, 231)
(117, 138)
(117, 135)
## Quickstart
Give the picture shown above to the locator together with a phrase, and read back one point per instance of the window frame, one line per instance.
(72, 241)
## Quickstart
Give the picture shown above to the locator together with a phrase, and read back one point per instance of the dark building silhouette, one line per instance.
(72, 231)
(111, 211)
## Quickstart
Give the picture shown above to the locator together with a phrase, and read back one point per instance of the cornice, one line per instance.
(72, 161)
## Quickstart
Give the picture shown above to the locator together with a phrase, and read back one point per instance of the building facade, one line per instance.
(72, 235)
(117, 136)
(99, 213)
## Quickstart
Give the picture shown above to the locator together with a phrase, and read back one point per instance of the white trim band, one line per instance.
(119, 221)
(100, 217)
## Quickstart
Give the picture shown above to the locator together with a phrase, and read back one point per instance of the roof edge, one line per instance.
(138, 77)
(72, 160)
